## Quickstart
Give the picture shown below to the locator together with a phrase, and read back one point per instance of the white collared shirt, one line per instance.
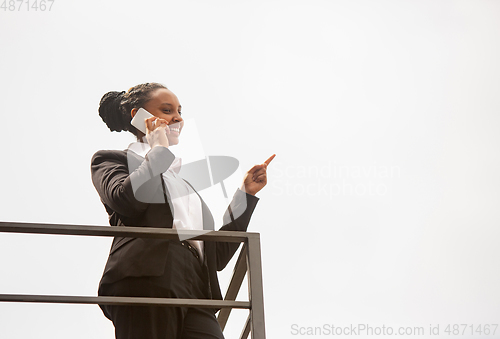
(186, 204)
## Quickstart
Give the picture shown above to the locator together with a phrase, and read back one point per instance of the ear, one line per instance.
(133, 112)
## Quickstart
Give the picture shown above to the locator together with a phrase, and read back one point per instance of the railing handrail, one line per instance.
(124, 231)
(129, 301)
(251, 249)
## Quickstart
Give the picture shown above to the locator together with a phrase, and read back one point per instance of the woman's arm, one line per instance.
(129, 194)
(237, 215)
(236, 218)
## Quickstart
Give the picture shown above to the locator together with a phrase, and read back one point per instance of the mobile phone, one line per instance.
(138, 120)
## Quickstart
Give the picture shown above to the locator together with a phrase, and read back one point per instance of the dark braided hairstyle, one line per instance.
(115, 107)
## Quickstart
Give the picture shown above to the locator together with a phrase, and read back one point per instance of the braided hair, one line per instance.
(115, 107)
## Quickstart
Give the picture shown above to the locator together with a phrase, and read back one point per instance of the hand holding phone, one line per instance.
(138, 120)
(154, 128)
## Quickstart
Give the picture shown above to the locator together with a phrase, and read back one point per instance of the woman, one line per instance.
(140, 187)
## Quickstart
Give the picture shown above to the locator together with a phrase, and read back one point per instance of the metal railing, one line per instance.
(249, 261)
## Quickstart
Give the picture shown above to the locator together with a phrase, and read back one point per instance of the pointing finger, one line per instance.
(270, 159)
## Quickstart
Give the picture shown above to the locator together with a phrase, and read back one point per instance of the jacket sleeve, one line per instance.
(236, 218)
(129, 194)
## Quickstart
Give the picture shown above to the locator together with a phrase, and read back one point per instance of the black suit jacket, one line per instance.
(132, 191)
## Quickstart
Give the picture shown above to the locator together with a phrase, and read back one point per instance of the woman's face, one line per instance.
(164, 104)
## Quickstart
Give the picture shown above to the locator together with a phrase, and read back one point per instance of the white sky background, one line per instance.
(382, 202)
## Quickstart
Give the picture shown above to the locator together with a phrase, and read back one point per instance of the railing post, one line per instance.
(240, 269)
(255, 288)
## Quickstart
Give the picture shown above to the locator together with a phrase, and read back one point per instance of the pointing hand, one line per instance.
(256, 178)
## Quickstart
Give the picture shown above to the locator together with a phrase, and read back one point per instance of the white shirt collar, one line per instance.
(141, 149)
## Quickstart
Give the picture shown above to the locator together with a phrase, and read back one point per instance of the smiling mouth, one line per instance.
(175, 127)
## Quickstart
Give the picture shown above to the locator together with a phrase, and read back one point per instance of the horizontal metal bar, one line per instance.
(131, 301)
(124, 231)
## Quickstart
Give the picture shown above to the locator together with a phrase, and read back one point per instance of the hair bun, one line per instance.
(111, 113)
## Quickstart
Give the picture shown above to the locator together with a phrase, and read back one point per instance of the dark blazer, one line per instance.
(133, 193)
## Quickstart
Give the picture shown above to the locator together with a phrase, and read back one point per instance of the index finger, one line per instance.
(270, 159)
